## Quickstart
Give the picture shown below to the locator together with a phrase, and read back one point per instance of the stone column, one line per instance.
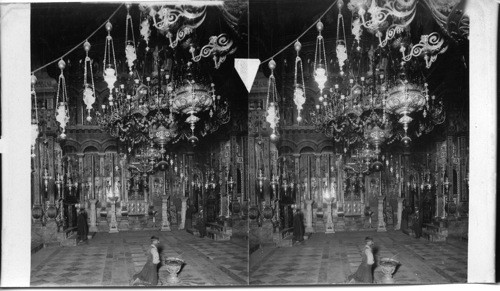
(183, 213)
(437, 214)
(329, 221)
(443, 209)
(165, 224)
(309, 227)
(80, 173)
(113, 225)
(101, 174)
(381, 222)
(37, 210)
(228, 211)
(319, 187)
(93, 216)
(400, 213)
(297, 178)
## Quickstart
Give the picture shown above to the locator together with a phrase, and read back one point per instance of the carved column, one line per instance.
(297, 179)
(329, 220)
(92, 178)
(221, 205)
(252, 171)
(381, 222)
(145, 181)
(309, 227)
(183, 212)
(80, 174)
(37, 211)
(319, 188)
(51, 211)
(400, 213)
(165, 224)
(113, 225)
(93, 215)
(103, 179)
(228, 205)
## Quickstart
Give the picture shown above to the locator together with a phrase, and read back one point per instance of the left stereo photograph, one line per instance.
(139, 125)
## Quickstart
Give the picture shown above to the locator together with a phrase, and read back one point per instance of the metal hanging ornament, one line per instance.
(35, 131)
(272, 105)
(130, 49)
(62, 112)
(109, 63)
(341, 47)
(88, 86)
(320, 68)
(299, 93)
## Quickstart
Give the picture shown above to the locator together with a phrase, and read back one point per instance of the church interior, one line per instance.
(144, 126)
(366, 131)
(356, 124)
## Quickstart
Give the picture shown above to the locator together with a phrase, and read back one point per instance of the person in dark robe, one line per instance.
(404, 220)
(298, 226)
(148, 276)
(189, 217)
(364, 274)
(417, 223)
(82, 226)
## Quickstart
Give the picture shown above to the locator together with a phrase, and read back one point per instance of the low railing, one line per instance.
(286, 232)
(281, 238)
(215, 226)
(215, 231)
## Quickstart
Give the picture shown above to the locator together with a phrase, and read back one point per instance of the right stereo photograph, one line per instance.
(358, 142)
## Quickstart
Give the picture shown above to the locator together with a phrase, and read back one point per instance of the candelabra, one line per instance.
(210, 183)
(59, 182)
(88, 186)
(446, 184)
(274, 186)
(46, 177)
(230, 184)
(260, 180)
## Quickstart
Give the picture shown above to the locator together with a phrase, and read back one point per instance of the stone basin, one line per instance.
(173, 266)
(388, 267)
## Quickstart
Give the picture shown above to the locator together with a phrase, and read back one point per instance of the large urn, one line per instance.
(37, 212)
(173, 266)
(253, 212)
(235, 207)
(267, 212)
(388, 267)
(51, 211)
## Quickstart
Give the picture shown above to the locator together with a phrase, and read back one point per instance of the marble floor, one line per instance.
(112, 259)
(329, 259)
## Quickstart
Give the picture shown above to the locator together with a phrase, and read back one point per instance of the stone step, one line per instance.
(71, 241)
(193, 231)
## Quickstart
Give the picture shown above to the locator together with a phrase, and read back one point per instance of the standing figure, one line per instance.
(417, 223)
(364, 274)
(149, 273)
(189, 217)
(82, 226)
(298, 225)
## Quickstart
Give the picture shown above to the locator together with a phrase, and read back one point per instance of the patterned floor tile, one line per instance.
(330, 259)
(111, 259)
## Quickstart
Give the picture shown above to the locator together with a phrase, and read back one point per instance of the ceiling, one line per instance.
(263, 28)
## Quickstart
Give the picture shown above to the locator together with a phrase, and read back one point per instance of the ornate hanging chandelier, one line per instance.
(173, 98)
(383, 97)
(155, 110)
